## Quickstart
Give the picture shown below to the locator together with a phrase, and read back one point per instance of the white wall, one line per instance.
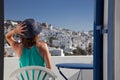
(113, 40)
(10, 64)
(117, 40)
(105, 41)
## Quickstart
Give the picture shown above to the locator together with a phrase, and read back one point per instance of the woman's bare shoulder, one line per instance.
(41, 44)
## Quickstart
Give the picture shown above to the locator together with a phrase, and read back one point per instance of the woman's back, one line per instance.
(31, 57)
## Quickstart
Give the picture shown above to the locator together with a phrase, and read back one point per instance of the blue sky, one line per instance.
(76, 15)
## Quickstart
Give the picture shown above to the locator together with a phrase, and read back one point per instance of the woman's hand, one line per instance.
(20, 28)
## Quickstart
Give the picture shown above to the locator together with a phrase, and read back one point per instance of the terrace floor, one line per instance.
(11, 63)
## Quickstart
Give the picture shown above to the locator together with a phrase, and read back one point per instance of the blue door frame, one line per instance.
(98, 40)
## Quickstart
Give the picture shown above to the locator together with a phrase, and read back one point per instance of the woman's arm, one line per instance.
(10, 39)
(17, 30)
(47, 56)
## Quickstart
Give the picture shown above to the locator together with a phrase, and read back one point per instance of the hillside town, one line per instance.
(61, 41)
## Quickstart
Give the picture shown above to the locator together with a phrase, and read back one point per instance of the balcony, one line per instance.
(11, 63)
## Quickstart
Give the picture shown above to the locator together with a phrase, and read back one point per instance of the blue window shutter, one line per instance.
(98, 40)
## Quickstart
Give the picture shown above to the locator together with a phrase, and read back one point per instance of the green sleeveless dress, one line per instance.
(31, 57)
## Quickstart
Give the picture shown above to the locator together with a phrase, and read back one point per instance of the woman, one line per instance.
(30, 50)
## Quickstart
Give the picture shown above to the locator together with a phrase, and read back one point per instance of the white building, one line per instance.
(56, 43)
(56, 51)
(14, 23)
(50, 27)
(9, 51)
(69, 50)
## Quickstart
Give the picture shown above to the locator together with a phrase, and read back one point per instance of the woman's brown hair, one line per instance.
(28, 42)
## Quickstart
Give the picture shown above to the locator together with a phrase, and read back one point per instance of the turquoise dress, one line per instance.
(31, 57)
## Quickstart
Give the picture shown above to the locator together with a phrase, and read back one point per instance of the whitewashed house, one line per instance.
(56, 51)
(56, 43)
